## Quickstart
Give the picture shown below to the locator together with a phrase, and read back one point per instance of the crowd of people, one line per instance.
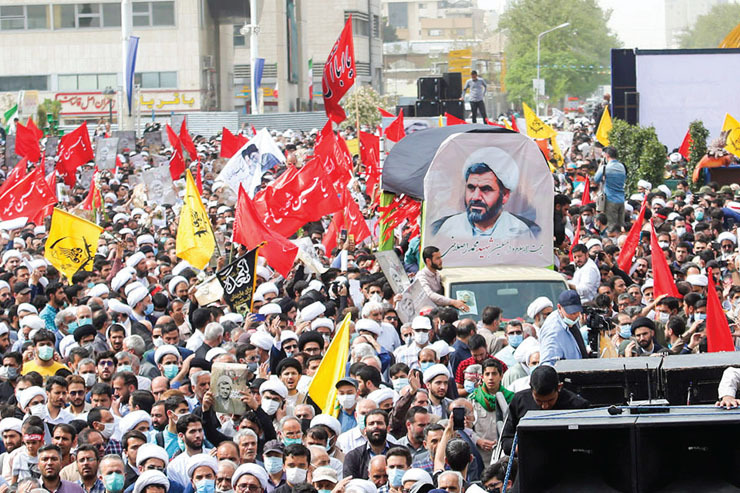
(105, 380)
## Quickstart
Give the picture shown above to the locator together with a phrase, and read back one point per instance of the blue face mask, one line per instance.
(149, 309)
(701, 316)
(181, 444)
(469, 386)
(90, 285)
(395, 476)
(515, 340)
(290, 441)
(625, 331)
(113, 482)
(273, 464)
(170, 371)
(84, 321)
(124, 368)
(400, 383)
(700, 216)
(71, 327)
(426, 365)
(361, 422)
(205, 486)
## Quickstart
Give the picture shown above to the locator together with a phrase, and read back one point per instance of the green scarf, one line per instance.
(488, 401)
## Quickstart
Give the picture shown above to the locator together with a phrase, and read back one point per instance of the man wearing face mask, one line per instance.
(110, 472)
(9, 373)
(514, 336)
(561, 338)
(421, 328)
(202, 470)
(297, 462)
(43, 361)
(101, 420)
(168, 360)
(347, 398)
(273, 460)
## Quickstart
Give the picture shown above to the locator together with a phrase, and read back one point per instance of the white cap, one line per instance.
(499, 161)
(434, 371)
(420, 322)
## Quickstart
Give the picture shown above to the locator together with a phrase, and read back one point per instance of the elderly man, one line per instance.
(491, 174)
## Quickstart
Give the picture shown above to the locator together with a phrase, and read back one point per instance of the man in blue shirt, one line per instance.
(614, 174)
(560, 337)
(477, 88)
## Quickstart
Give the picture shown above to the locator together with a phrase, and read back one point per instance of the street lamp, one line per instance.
(109, 94)
(539, 38)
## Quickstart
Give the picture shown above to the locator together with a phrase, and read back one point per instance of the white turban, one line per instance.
(262, 340)
(11, 424)
(132, 419)
(538, 305)
(380, 395)
(274, 385)
(267, 287)
(312, 311)
(150, 477)
(134, 259)
(151, 451)
(526, 348)
(270, 309)
(174, 282)
(30, 393)
(252, 470)
(498, 161)
(434, 371)
(416, 474)
(33, 321)
(329, 421)
(198, 460)
(441, 348)
(98, 290)
(164, 350)
(322, 322)
(136, 295)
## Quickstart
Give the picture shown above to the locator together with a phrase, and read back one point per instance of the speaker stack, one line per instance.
(438, 95)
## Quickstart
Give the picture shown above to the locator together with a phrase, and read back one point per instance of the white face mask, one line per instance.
(376, 298)
(347, 401)
(663, 244)
(39, 410)
(270, 406)
(90, 379)
(108, 430)
(421, 338)
(295, 475)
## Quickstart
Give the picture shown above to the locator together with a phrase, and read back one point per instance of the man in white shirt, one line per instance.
(587, 277)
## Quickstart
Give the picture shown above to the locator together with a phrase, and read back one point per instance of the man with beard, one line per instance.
(490, 176)
(190, 431)
(644, 344)
(431, 280)
(87, 466)
(50, 463)
(357, 461)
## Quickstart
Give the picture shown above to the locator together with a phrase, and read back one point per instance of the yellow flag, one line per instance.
(556, 153)
(195, 241)
(732, 144)
(605, 126)
(536, 128)
(72, 243)
(331, 370)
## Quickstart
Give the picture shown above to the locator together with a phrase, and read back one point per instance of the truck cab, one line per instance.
(511, 288)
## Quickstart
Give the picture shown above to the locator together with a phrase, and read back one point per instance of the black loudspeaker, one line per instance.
(694, 378)
(408, 109)
(625, 99)
(689, 448)
(429, 88)
(454, 107)
(611, 380)
(427, 108)
(453, 85)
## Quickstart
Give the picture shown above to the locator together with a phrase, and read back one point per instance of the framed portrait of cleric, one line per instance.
(228, 381)
(489, 201)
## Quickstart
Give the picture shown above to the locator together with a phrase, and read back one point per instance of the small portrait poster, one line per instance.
(228, 381)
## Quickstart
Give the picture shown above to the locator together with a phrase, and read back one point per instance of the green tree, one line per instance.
(711, 28)
(697, 149)
(582, 48)
(368, 102)
(389, 32)
(641, 151)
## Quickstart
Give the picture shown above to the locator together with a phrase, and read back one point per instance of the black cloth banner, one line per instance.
(238, 280)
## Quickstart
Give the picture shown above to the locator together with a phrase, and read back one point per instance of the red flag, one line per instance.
(26, 143)
(396, 131)
(74, 150)
(686, 145)
(254, 130)
(514, 126)
(32, 126)
(633, 239)
(187, 142)
(576, 239)
(370, 156)
(29, 196)
(250, 231)
(93, 196)
(199, 179)
(489, 122)
(118, 161)
(542, 144)
(355, 224)
(339, 73)
(308, 196)
(231, 143)
(586, 196)
(51, 184)
(15, 175)
(177, 162)
(663, 282)
(719, 336)
(453, 120)
(335, 158)
(387, 114)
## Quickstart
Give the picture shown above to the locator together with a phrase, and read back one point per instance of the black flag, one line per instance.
(238, 280)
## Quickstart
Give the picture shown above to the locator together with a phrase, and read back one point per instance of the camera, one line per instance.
(597, 321)
(334, 288)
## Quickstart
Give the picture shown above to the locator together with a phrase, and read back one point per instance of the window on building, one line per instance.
(112, 15)
(360, 23)
(398, 15)
(239, 40)
(12, 18)
(86, 82)
(88, 15)
(154, 13)
(64, 16)
(24, 83)
(37, 17)
(435, 32)
(156, 80)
